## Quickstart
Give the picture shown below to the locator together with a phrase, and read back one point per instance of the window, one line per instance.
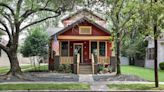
(64, 48)
(102, 48)
(93, 46)
(150, 53)
(85, 30)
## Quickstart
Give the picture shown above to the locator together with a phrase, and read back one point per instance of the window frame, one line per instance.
(104, 50)
(67, 48)
(80, 31)
(150, 53)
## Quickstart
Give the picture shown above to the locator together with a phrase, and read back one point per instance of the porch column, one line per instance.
(97, 51)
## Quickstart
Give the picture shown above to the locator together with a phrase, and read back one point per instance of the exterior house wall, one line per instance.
(124, 61)
(85, 50)
(150, 63)
(95, 31)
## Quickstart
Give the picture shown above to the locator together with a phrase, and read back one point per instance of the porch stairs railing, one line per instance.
(93, 62)
(83, 68)
(78, 63)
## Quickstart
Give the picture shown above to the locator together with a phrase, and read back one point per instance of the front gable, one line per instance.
(95, 31)
(74, 29)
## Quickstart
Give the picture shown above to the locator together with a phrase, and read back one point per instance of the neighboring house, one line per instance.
(83, 32)
(149, 60)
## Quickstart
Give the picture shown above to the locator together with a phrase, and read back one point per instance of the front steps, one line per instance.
(85, 69)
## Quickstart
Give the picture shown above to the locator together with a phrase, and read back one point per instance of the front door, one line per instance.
(79, 48)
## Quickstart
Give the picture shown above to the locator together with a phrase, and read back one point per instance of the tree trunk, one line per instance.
(118, 54)
(14, 64)
(155, 51)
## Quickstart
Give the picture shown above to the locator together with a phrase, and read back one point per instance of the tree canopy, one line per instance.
(36, 43)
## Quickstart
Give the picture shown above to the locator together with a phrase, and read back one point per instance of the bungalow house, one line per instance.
(149, 60)
(84, 42)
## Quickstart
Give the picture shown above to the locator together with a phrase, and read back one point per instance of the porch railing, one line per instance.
(66, 60)
(93, 62)
(78, 62)
(103, 60)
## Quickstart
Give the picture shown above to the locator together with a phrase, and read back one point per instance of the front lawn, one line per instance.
(25, 68)
(134, 87)
(147, 74)
(70, 86)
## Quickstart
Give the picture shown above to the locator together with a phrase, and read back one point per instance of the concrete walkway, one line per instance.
(86, 78)
(95, 86)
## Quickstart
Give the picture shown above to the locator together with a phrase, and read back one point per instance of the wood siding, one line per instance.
(75, 30)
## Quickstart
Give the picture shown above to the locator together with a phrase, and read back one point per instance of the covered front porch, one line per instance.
(84, 51)
(85, 48)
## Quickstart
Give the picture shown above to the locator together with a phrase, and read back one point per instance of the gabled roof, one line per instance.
(83, 10)
(53, 30)
(80, 21)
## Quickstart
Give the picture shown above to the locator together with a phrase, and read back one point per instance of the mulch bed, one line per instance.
(44, 76)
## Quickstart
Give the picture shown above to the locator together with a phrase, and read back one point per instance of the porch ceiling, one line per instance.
(83, 37)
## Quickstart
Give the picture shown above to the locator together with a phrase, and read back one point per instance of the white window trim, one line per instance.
(85, 27)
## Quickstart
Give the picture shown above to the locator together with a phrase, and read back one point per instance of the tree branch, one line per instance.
(6, 6)
(30, 12)
(4, 48)
(6, 29)
(129, 17)
(36, 22)
(18, 7)
(3, 29)
(8, 18)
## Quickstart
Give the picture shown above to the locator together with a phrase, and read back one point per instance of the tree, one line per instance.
(15, 16)
(151, 15)
(120, 12)
(35, 45)
(134, 45)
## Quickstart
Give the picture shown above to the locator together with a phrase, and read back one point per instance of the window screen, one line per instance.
(102, 48)
(64, 48)
(93, 46)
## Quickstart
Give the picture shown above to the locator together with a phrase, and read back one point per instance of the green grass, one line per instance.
(134, 87)
(41, 68)
(70, 86)
(147, 74)
(25, 68)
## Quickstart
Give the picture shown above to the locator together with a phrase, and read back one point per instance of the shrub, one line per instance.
(61, 68)
(100, 68)
(161, 65)
(65, 68)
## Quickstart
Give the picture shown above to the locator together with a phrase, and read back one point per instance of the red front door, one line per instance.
(79, 48)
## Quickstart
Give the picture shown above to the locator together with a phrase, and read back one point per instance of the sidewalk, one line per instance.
(88, 79)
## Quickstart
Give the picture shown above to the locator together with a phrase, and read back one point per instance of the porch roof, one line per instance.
(83, 37)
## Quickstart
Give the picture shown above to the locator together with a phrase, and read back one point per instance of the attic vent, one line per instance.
(85, 30)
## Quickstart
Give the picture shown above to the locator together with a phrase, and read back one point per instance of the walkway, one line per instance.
(95, 86)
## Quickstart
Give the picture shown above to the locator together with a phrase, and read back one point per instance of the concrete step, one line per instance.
(85, 69)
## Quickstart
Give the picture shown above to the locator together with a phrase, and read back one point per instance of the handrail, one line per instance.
(93, 61)
(78, 61)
